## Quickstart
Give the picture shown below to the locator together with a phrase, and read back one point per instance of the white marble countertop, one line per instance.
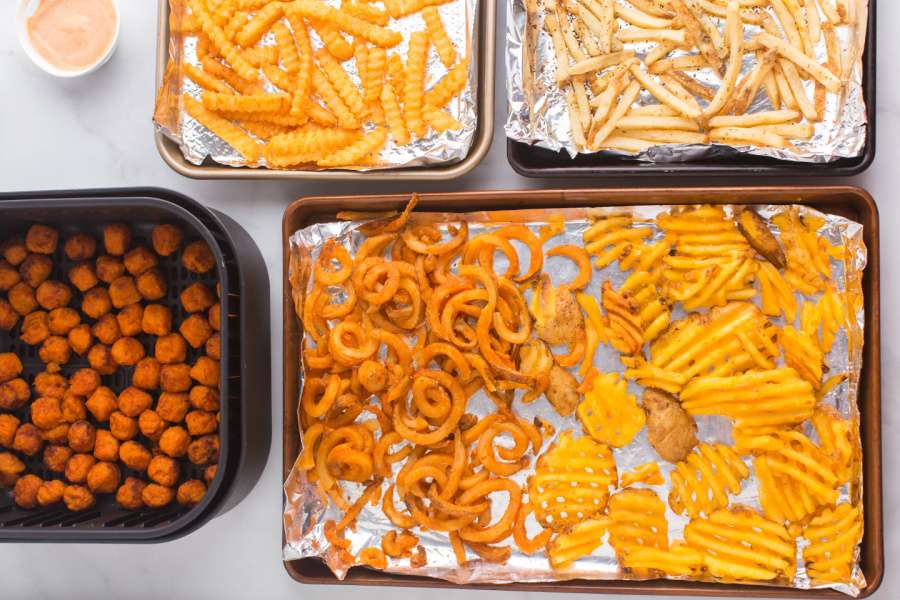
(96, 132)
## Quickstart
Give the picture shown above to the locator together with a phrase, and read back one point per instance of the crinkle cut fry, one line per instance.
(442, 43)
(449, 86)
(321, 12)
(306, 145)
(342, 83)
(225, 129)
(413, 92)
(223, 46)
(351, 155)
(257, 103)
(402, 8)
(257, 27)
(322, 86)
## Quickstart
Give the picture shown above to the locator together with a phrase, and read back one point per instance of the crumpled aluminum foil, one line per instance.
(460, 19)
(538, 113)
(306, 510)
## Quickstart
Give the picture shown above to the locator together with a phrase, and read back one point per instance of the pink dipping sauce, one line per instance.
(73, 34)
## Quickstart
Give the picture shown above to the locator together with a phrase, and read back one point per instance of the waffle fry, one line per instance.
(701, 483)
(577, 541)
(638, 520)
(833, 535)
(802, 354)
(641, 288)
(836, 440)
(678, 561)
(608, 413)
(647, 473)
(611, 236)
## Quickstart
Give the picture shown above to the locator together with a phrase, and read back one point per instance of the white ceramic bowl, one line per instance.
(24, 12)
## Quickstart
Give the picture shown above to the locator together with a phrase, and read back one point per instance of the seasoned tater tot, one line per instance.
(127, 352)
(198, 258)
(51, 492)
(151, 285)
(80, 246)
(215, 316)
(73, 408)
(56, 457)
(190, 492)
(96, 302)
(200, 422)
(21, 297)
(206, 371)
(9, 276)
(28, 440)
(56, 435)
(129, 320)
(83, 277)
(116, 238)
(50, 384)
(146, 374)
(205, 398)
(36, 269)
(134, 455)
(63, 320)
(195, 330)
(10, 469)
(157, 320)
(14, 394)
(83, 382)
(122, 426)
(204, 450)
(46, 412)
(129, 493)
(56, 350)
(82, 436)
(78, 497)
(157, 496)
(163, 470)
(209, 473)
(151, 425)
(109, 268)
(134, 401)
(166, 239)
(8, 426)
(123, 291)
(13, 250)
(8, 315)
(26, 490)
(106, 446)
(106, 329)
(103, 478)
(172, 407)
(41, 239)
(213, 347)
(78, 466)
(53, 294)
(170, 349)
(139, 260)
(10, 366)
(35, 328)
(174, 441)
(102, 403)
(175, 378)
(101, 360)
(196, 297)
(80, 339)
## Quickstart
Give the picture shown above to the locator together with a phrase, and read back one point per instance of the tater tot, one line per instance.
(83, 277)
(78, 497)
(127, 351)
(10, 366)
(215, 316)
(151, 425)
(138, 260)
(157, 320)
(166, 239)
(205, 398)
(196, 330)
(41, 239)
(196, 297)
(73, 408)
(170, 349)
(129, 493)
(28, 440)
(9, 276)
(80, 246)
(10, 469)
(116, 238)
(96, 303)
(190, 492)
(103, 478)
(63, 320)
(129, 320)
(83, 382)
(50, 384)
(13, 250)
(36, 269)
(209, 474)
(109, 268)
(157, 496)
(206, 372)
(26, 489)
(101, 360)
(8, 426)
(56, 457)
(213, 347)
(122, 426)
(106, 446)
(200, 422)
(134, 455)
(172, 407)
(21, 297)
(82, 436)
(102, 403)
(133, 401)
(151, 285)
(53, 294)
(204, 450)
(175, 378)
(78, 466)
(174, 441)
(80, 339)
(106, 329)
(123, 291)
(146, 374)
(35, 328)
(56, 350)
(46, 412)
(8, 315)
(14, 394)
(163, 470)
(51, 492)
(56, 435)
(198, 258)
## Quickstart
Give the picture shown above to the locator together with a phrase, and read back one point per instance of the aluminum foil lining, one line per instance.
(538, 113)
(306, 510)
(460, 18)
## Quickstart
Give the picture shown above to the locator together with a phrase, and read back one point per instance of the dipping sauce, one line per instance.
(73, 35)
